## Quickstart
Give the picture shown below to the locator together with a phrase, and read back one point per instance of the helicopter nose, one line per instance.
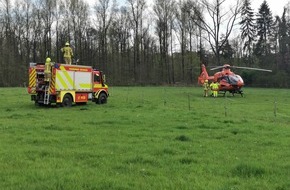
(240, 81)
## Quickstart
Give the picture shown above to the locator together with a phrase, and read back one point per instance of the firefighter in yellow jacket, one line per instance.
(215, 88)
(67, 53)
(205, 88)
(47, 70)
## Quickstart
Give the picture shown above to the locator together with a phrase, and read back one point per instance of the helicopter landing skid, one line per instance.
(233, 92)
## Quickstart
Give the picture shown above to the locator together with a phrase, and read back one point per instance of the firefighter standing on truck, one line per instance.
(67, 53)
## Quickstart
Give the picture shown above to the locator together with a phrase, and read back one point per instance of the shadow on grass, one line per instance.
(183, 138)
(187, 161)
(247, 171)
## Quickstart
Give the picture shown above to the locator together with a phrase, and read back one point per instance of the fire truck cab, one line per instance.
(63, 84)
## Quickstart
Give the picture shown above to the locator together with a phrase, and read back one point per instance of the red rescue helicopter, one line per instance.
(229, 81)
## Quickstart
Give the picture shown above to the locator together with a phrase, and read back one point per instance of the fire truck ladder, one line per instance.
(46, 94)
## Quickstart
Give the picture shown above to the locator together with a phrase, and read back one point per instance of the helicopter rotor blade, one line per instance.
(215, 68)
(251, 68)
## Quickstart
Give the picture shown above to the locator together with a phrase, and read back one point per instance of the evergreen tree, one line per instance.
(265, 30)
(283, 35)
(283, 39)
(227, 51)
(247, 27)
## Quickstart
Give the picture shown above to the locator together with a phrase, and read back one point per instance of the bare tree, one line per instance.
(164, 10)
(184, 28)
(181, 24)
(48, 17)
(27, 15)
(219, 21)
(19, 25)
(120, 32)
(7, 41)
(79, 20)
(137, 9)
(104, 15)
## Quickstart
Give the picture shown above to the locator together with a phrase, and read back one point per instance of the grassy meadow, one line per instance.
(147, 138)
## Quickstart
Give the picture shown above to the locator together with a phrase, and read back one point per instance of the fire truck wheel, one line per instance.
(67, 101)
(102, 99)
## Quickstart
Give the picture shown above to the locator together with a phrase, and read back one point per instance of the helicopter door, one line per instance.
(224, 79)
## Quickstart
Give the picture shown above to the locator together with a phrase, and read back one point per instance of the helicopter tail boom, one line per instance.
(204, 75)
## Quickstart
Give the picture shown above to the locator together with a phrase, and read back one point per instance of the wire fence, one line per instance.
(263, 105)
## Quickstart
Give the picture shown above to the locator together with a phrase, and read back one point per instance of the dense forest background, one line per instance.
(141, 44)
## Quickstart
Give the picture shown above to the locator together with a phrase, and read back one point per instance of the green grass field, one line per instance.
(147, 138)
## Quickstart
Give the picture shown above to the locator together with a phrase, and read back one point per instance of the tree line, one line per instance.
(139, 43)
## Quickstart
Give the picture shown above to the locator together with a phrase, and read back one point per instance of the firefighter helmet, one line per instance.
(67, 44)
(48, 59)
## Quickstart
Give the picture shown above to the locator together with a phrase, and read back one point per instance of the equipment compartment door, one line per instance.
(64, 80)
(83, 81)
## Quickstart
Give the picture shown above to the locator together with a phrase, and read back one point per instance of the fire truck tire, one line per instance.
(102, 99)
(67, 101)
(39, 104)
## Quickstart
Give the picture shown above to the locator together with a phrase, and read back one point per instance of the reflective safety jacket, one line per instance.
(214, 86)
(67, 51)
(205, 86)
(47, 67)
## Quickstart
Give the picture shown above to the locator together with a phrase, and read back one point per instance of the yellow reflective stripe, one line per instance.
(52, 84)
(62, 68)
(98, 86)
(67, 77)
(83, 85)
(56, 85)
(32, 78)
(62, 82)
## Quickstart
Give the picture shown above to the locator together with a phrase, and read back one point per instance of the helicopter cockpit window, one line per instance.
(233, 79)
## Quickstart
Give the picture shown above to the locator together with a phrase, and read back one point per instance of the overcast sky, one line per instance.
(276, 6)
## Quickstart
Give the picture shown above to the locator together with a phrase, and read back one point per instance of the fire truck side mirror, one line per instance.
(104, 78)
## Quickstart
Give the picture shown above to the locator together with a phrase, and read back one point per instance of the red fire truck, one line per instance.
(66, 84)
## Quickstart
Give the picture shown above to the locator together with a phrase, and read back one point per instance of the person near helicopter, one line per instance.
(215, 88)
(205, 88)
